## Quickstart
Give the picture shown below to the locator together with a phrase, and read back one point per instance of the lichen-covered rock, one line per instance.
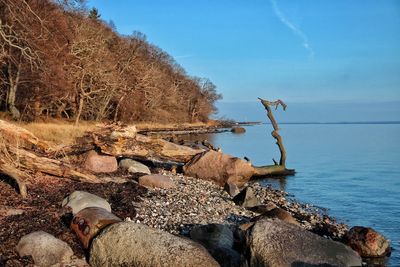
(132, 244)
(88, 222)
(367, 242)
(45, 249)
(219, 168)
(156, 181)
(100, 163)
(276, 243)
(133, 166)
(79, 200)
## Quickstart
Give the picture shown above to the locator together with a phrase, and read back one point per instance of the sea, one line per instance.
(350, 169)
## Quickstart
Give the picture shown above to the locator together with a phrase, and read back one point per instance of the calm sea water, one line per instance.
(352, 170)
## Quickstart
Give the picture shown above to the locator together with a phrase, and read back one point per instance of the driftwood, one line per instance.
(17, 176)
(22, 153)
(277, 168)
(22, 138)
(32, 162)
(115, 141)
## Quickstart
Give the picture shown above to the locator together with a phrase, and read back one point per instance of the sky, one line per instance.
(303, 51)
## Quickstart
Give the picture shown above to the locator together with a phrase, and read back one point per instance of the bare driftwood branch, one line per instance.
(276, 169)
(275, 132)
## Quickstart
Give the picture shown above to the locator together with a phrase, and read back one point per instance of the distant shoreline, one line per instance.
(350, 122)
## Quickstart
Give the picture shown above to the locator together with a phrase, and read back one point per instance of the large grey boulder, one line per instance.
(133, 166)
(45, 249)
(79, 200)
(220, 168)
(273, 242)
(132, 244)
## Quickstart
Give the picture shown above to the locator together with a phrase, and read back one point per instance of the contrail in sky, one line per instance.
(293, 28)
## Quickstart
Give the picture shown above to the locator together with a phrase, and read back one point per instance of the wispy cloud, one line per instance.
(183, 56)
(297, 31)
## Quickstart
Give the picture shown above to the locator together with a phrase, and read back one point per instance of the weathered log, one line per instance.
(272, 170)
(21, 137)
(32, 162)
(140, 147)
(17, 176)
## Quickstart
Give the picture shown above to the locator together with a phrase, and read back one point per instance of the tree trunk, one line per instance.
(80, 108)
(13, 81)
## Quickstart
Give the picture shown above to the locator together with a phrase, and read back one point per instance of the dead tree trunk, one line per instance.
(276, 169)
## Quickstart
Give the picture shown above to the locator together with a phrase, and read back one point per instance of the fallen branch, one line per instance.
(276, 169)
(17, 176)
(32, 162)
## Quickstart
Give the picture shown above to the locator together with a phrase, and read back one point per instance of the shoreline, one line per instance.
(188, 203)
(192, 202)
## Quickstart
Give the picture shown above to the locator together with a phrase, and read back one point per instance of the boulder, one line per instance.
(156, 181)
(100, 163)
(238, 130)
(246, 198)
(88, 222)
(132, 244)
(213, 235)
(133, 166)
(367, 242)
(219, 168)
(272, 242)
(232, 189)
(218, 240)
(280, 214)
(79, 200)
(45, 249)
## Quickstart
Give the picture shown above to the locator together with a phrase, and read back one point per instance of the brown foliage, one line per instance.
(57, 60)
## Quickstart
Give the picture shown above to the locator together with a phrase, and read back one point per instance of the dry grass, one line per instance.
(63, 132)
(58, 132)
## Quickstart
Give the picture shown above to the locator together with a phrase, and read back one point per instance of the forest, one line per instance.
(58, 59)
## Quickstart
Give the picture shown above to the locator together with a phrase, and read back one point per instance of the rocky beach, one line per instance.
(116, 211)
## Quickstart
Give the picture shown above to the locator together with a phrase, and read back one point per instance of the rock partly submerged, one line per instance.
(367, 242)
(275, 243)
(132, 244)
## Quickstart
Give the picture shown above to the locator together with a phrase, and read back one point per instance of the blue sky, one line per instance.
(301, 51)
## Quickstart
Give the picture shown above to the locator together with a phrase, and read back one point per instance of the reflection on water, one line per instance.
(276, 182)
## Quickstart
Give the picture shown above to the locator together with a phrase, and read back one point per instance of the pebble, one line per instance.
(195, 201)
